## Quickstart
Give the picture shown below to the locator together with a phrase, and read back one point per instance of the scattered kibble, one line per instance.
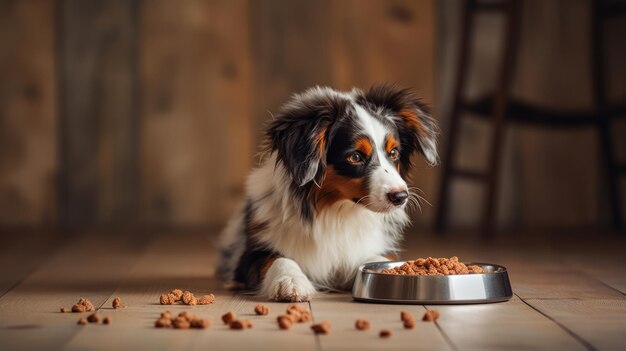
(181, 323)
(321, 328)
(117, 303)
(228, 317)
(284, 322)
(83, 305)
(206, 299)
(106, 320)
(261, 310)
(362, 324)
(64, 310)
(93, 318)
(82, 321)
(385, 333)
(430, 316)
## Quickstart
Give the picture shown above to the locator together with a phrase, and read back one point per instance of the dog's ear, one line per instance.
(300, 137)
(417, 129)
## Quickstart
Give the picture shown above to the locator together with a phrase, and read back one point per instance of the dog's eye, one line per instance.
(355, 158)
(394, 154)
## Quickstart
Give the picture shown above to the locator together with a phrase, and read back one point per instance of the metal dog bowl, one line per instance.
(372, 286)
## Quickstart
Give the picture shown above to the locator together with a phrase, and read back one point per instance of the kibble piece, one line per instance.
(305, 316)
(430, 316)
(261, 310)
(166, 314)
(64, 310)
(284, 322)
(200, 323)
(117, 303)
(181, 323)
(106, 320)
(163, 323)
(385, 333)
(82, 321)
(83, 305)
(93, 318)
(321, 328)
(188, 297)
(167, 299)
(206, 299)
(187, 315)
(237, 325)
(177, 294)
(404, 315)
(228, 317)
(362, 324)
(247, 323)
(409, 323)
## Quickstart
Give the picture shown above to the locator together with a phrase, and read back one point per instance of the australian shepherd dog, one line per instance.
(330, 191)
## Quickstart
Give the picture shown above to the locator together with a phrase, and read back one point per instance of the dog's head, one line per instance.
(353, 146)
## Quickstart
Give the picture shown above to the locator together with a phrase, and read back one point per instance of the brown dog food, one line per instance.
(206, 299)
(385, 333)
(189, 299)
(240, 324)
(228, 317)
(167, 299)
(64, 310)
(404, 315)
(261, 310)
(163, 323)
(167, 314)
(409, 323)
(200, 323)
(321, 328)
(177, 293)
(117, 303)
(362, 324)
(82, 321)
(299, 314)
(434, 266)
(83, 305)
(284, 322)
(181, 323)
(93, 318)
(106, 320)
(430, 316)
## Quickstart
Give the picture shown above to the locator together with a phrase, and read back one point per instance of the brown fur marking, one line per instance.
(390, 143)
(364, 146)
(337, 187)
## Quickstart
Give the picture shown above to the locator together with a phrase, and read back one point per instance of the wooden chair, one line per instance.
(500, 109)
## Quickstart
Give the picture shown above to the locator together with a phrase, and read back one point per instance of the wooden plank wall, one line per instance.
(28, 118)
(149, 112)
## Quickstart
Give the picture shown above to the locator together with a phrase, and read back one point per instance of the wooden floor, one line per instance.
(569, 295)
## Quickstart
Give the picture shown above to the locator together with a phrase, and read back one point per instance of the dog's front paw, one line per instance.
(285, 281)
(294, 289)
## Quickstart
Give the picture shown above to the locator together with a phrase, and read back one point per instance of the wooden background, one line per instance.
(116, 113)
(149, 112)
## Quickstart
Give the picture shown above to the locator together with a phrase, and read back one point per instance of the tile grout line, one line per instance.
(445, 336)
(578, 338)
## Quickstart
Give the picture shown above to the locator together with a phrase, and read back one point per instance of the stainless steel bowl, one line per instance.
(372, 286)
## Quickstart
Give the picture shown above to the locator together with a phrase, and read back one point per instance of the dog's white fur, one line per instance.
(326, 253)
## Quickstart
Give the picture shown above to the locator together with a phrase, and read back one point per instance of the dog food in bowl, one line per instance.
(434, 266)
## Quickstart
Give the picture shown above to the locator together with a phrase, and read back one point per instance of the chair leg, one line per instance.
(500, 103)
(465, 37)
(607, 156)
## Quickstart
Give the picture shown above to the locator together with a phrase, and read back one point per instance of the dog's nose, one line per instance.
(397, 197)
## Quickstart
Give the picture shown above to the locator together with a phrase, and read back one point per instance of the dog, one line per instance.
(330, 192)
